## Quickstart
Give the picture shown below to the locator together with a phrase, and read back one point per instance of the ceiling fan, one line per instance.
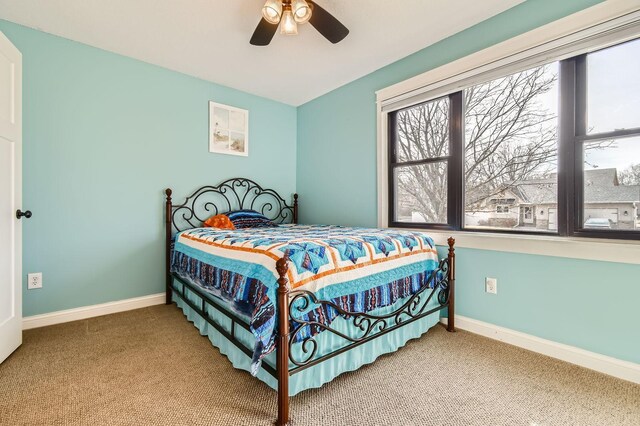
(290, 13)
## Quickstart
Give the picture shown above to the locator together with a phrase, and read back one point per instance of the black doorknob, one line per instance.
(20, 213)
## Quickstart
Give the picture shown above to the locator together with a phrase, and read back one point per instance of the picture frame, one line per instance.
(228, 129)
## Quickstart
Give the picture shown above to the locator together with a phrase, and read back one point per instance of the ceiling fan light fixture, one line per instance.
(272, 11)
(288, 14)
(301, 11)
(288, 25)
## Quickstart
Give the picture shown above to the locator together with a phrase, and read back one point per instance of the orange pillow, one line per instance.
(219, 221)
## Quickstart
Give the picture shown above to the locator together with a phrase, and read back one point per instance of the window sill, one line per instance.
(621, 251)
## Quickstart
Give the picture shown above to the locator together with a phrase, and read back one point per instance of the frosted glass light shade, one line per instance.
(288, 25)
(272, 11)
(301, 11)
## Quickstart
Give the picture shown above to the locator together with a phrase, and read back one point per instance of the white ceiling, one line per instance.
(209, 39)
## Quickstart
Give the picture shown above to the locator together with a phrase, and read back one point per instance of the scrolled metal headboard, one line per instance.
(232, 194)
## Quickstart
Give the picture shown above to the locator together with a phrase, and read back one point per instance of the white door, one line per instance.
(553, 220)
(10, 197)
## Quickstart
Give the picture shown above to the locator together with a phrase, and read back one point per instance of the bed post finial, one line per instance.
(282, 361)
(451, 326)
(167, 225)
(282, 266)
(295, 209)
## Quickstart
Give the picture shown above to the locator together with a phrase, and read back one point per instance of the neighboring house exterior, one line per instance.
(533, 203)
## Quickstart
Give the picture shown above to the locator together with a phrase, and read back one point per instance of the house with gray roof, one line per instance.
(533, 203)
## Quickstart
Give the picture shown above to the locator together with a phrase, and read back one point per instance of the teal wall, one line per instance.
(591, 305)
(103, 136)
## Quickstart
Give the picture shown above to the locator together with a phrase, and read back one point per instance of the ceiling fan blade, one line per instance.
(264, 33)
(327, 24)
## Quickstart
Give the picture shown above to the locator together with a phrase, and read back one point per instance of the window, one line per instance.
(611, 183)
(419, 165)
(511, 147)
(607, 188)
(552, 149)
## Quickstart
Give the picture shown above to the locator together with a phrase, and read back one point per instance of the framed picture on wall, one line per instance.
(228, 129)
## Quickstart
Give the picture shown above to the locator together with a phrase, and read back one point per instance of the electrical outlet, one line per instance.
(34, 280)
(491, 285)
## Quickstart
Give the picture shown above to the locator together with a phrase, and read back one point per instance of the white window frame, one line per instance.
(608, 23)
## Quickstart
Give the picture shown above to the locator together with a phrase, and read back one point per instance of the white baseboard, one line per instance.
(85, 312)
(604, 364)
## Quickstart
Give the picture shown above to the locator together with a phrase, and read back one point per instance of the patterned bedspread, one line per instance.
(360, 269)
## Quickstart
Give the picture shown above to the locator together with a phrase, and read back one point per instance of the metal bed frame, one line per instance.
(242, 193)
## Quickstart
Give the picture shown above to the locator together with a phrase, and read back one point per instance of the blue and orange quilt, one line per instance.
(359, 269)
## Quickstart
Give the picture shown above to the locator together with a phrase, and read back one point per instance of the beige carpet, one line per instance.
(151, 367)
